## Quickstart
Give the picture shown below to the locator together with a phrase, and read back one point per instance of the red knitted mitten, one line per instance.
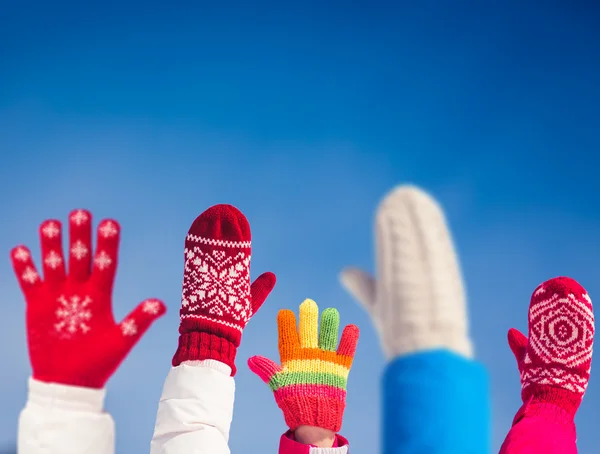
(71, 332)
(217, 300)
(555, 361)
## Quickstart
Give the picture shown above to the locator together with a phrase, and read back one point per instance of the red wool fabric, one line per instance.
(555, 361)
(217, 299)
(72, 335)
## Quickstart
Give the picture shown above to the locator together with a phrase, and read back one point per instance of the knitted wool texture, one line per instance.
(217, 299)
(310, 384)
(417, 301)
(72, 335)
(555, 361)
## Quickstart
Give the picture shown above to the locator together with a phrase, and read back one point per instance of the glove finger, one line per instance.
(24, 268)
(260, 290)
(53, 262)
(263, 367)
(80, 244)
(133, 327)
(349, 341)
(330, 325)
(107, 254)
(289, 341)
(309, 324)
(517, 342)
(360, 285)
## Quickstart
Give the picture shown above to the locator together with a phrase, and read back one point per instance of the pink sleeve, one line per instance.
(288, 445)
(541, 428)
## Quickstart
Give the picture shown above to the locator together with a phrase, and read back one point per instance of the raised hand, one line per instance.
(417, 302)
(217, 299)
(310, 383)
(555, 361)
(72, 335)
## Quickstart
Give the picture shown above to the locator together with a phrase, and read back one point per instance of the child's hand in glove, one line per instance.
(71, 331)
(555, 361)
(310, 383)
(417, 302)
(554, 364)
(218, 299)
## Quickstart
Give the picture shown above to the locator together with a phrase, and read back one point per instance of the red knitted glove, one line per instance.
(217, 300)
(555, 361)
(71, 332)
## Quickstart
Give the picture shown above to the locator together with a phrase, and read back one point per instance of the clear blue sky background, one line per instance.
(303, 116)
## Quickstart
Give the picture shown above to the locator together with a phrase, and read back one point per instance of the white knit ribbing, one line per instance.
(418, 300)
(340, 450)
(220, 243)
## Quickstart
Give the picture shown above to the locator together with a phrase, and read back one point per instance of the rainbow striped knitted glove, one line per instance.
(310, 384)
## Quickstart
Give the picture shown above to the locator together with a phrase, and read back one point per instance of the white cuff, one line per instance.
(340, 450)
(65, 397)
(195, 409)
(210, 364)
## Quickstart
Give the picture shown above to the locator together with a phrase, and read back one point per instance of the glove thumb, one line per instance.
(517, 342)
(360, 285)
(260, 289)
(263, 367)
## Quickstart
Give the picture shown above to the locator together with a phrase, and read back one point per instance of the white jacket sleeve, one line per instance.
(60, 419)
(195, 410)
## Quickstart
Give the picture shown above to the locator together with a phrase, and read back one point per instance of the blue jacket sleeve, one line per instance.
(436, 402)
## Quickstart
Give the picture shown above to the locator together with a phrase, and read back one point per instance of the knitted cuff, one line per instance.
(317, 411)
(567, 400)
(197, 346)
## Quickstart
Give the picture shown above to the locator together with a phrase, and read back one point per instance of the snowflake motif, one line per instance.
(151, 307)
(108, 229)
(50, 230)
(22, 254)
(73, 315)
(53, 260)
(217, 285)
(129, 328)
(79, 217)
(30, 275)
(562, 330)
(79, 250)
(103, 260)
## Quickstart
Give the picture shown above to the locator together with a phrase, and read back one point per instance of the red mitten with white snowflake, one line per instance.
(555, 361)
(217, 299)
(72, 335)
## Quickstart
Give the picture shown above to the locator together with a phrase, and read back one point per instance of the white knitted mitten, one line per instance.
(418, 300)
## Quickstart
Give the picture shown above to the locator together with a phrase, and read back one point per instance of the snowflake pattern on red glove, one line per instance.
(555, 361)
(72, 336)
(561, 337)
(217, 300)
(217, 282)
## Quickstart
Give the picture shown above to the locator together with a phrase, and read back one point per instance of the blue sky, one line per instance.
(303, 116)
